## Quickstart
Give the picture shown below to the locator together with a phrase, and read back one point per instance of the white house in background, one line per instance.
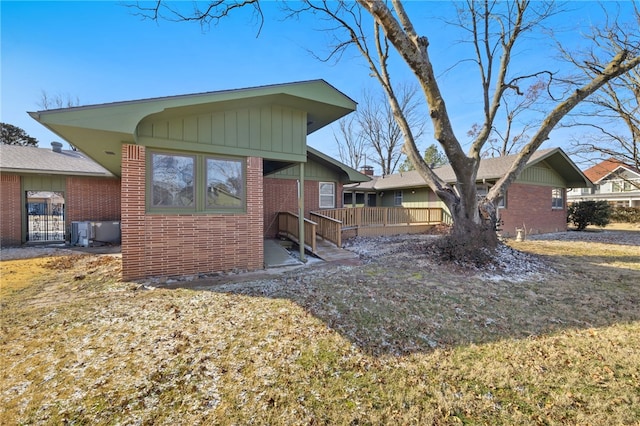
(613, 181)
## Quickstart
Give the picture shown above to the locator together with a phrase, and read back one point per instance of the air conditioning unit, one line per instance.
(107, 232)
(81, 233)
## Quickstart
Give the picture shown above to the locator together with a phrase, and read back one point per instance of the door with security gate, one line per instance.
(45, 216)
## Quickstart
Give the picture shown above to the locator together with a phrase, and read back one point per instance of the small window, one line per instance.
(557, 198)
(172, 180)
(501, 202)
(327, 195)
(397, 198)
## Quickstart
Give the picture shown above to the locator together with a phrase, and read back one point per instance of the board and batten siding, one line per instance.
(541, 175)
(267, 131)
(312, 171)
(44, 183)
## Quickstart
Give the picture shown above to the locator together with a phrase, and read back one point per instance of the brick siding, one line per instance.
(10, 210)
(157, 245)
(86, 198)
(529, 206)
(95, 199)
(282, 195)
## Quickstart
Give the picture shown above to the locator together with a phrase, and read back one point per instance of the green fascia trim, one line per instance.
(98, 129)
(349, 175)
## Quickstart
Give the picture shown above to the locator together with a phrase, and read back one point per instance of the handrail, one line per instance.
(329, 224)
(289, 227)
(329, 228)
(356, 217)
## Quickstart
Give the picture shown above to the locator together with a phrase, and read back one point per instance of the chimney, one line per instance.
(56, 147)
(367, 170)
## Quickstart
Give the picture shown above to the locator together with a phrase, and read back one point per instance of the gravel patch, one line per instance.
(605, 236)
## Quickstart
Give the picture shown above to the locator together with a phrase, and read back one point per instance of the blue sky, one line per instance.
(99, 52)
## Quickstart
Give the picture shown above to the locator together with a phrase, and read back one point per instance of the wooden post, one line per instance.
(301, 213)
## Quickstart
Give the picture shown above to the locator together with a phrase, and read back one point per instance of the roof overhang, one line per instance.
(565, 167)
(100, 130)
(347, 174)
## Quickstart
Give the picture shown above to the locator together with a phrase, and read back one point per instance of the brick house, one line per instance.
(44, 190)
(536, 201)
(203, 175)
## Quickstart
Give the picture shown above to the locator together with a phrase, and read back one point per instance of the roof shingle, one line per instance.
(27, 159)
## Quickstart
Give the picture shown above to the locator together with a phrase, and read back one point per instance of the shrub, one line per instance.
(626, 214)
(585, 213)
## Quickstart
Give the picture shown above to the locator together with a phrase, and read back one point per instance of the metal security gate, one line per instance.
(45, 216)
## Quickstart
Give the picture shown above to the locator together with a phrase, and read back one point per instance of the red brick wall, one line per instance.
(10, 210)
(186, 244)
(89, 198)
(529, 206)
(282, 195)
(86, 198)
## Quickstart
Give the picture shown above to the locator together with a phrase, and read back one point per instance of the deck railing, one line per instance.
(328, 228)
(356, 217)
(288, 226)
(329, 224)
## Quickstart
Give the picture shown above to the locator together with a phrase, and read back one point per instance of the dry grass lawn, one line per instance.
(396, 340)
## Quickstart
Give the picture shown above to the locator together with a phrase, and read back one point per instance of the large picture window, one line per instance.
(196, 183)
(172, 180)
(225, 183)
(327, 195)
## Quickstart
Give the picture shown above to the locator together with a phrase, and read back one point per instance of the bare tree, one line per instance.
(513, 133)
(48, 101)
(613, 113)
(351, 144)
(57, 101)
(378, 29)
(380, 129)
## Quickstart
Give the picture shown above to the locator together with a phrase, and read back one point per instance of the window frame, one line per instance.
(200, 185)
(243, 178)
(555, 191)
(150, 186)
(398, 198)
(333, 195)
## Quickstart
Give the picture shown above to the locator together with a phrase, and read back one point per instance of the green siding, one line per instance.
(541, 174)
(44, 183)
(268, 131)
(419, 198)
(312, 171)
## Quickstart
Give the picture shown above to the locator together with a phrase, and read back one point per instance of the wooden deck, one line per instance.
(323, 234)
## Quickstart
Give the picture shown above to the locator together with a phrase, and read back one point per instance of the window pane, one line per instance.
(557, 198)
(172, 180)
(398, 198)
(327, 195)
(225, 183)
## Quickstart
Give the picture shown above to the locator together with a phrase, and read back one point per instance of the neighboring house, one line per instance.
(614, 181)
(535, 202)
(203, 175)
(44, 190)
